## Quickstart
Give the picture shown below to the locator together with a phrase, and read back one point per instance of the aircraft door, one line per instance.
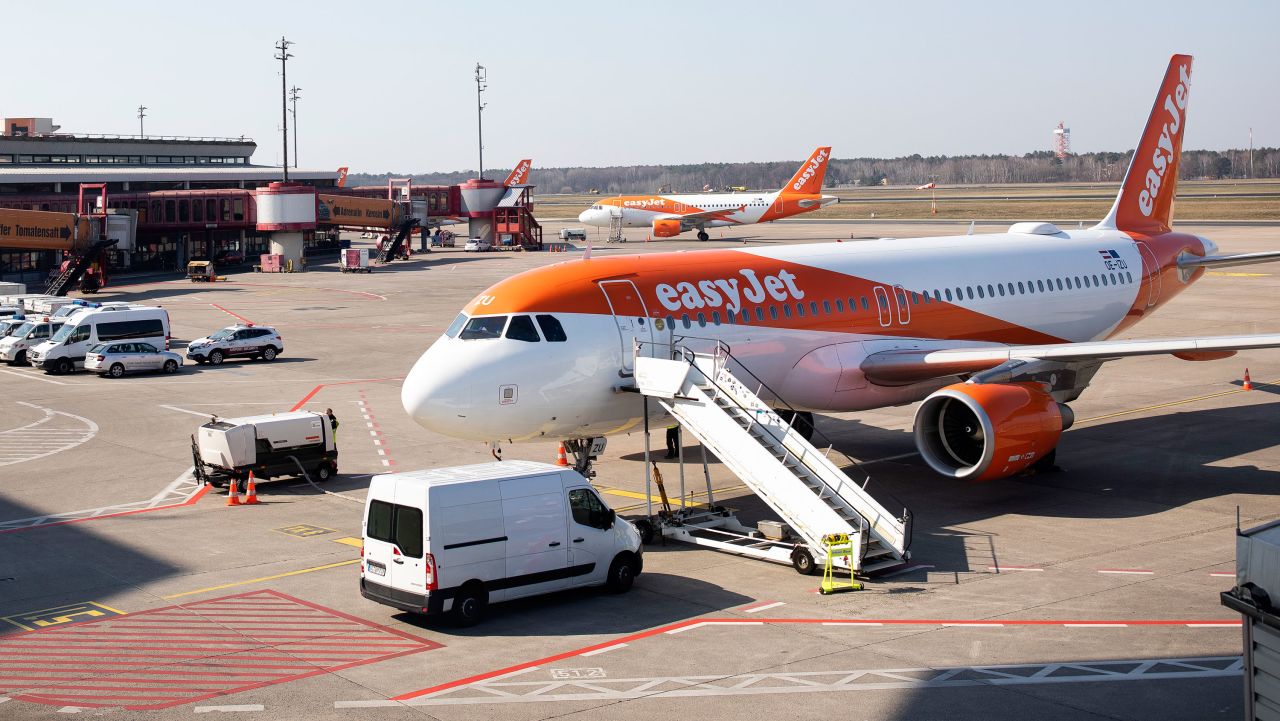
(882, 304)
(630, 314)
(1151, 269)
(900, 297)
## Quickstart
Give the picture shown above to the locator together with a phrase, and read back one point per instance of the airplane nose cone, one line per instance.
(585, 217)
(436, 393)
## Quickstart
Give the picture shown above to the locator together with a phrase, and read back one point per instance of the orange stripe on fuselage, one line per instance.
(712, 281)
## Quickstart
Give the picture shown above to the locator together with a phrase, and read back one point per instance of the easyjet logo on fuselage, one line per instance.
(729, 292)
(1163, 156)
(814, 163)
(644, 203)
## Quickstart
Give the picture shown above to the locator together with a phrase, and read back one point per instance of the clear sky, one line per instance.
(389, 86)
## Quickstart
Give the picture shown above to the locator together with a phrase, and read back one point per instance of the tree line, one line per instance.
(1036, 167)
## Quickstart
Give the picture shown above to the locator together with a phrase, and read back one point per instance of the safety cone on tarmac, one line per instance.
(233, 495)
(250, 493)
(1248, 384)
(561, 458)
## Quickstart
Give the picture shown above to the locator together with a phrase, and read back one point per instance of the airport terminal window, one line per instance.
(551, 329)
(485, 328)
(197, 211)
(6, 159)
(521, 328)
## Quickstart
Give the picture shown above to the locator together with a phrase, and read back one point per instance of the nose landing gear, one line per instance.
(584, 451)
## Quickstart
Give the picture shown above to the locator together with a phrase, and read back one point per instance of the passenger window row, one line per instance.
(804, 309)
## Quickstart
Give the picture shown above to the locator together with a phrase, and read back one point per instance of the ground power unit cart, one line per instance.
(298, 443)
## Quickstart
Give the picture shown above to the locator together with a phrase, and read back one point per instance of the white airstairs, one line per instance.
(805, 486)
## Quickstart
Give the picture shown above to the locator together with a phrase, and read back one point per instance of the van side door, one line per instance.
(534, 516)
(591, 536)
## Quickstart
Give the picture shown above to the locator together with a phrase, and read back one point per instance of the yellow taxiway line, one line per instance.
(260, 580)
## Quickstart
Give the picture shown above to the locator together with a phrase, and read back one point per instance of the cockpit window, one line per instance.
(484, 328)
(456, 325)
(551, 329)
(521, 328)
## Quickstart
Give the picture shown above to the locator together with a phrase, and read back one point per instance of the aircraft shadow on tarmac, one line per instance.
(49, 567)
(656, 599)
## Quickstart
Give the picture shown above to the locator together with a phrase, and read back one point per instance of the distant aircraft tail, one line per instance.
(520, 174)
(808, 179)
(1145, 202)
(342, 176)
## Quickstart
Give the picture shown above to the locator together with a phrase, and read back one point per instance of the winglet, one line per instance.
(1145, 202)
(520, 174)
(808, 179)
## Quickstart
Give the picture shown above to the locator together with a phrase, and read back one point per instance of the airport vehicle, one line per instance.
(10, 324)
(228, 257)
(10, 311)
(458, 539)
(355, 260)
(670, 215)
(281, 444)
(33, 331)
(240, 340)
(478, 245)
(573, 234)
(444, 239)
(995, 333)
(66, 349)
(201, 271)
(116, 359)
(44, 305)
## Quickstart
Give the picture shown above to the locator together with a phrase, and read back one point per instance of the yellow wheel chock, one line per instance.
(838, 545)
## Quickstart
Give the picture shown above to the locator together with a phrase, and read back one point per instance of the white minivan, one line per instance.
(457, 539)
(65, 351)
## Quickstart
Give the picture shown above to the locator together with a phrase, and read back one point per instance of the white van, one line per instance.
(457, 539)
(33, 331)
(65, 351)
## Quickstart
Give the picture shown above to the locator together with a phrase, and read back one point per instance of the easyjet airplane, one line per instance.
(671, 215)
(994, 333)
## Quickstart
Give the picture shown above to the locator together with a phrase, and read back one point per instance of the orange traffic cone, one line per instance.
(1248, 384)
(561, 458)
(233, 495)
(251, 493)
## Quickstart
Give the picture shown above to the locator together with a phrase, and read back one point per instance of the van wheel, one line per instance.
(216, 357)
(469, 605)
(20, 359)
(64, 366)
(802, 560)
(171, 366)
(117, 370)
(324, 472)
(269, 354)
(622, 574)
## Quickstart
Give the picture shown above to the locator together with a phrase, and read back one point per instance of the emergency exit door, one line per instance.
(631, 316)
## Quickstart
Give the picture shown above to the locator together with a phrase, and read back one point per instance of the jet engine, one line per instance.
(981, 432)
(666, 228)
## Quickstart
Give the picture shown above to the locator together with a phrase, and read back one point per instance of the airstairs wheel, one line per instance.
(803, 562)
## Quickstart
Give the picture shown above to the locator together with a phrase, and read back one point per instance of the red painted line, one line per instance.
(152, 689)
(105, 635)
(189, 502)
(737, 622)
(73, 700)
(193, 662)
(133, 675)
(362, 622)
(233, 315)
(317, 389)
(238, 614)
(209, 655)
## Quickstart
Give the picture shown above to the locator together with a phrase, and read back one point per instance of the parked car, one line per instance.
(116, 359)
(478, 245)
(228, 257)
(233, 341)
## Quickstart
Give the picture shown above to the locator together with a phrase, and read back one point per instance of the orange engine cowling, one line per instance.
(666, 228)
(981, 432)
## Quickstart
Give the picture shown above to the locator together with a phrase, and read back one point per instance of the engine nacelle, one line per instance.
(981, 432)
(666, 228)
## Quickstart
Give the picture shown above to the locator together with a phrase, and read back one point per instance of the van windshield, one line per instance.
(65, 311)
(23, 330)
(484, 328)
(63, 333)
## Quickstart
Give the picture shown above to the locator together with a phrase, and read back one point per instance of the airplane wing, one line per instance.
(689, 220)
(910, 366)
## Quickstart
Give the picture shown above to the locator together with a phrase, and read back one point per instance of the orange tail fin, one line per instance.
(1145, 202)
(520, 174)
(808, 179)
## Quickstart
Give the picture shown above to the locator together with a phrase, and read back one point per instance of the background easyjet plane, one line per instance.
(671, 215)
(995, 333)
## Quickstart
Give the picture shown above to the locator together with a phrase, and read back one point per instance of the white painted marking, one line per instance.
(69, 709)
(230, 709)
(606, 649)
(179, 490)
(1095, 625)
(1213, 625)
(369, 424)
(381, 452)
(765, 607)
(1126, 571)
(513, 673)
(202, 414)
(36, 377)
(31, 442)
(4, 698)
(377, 442)
(373, 433)
(682, 629)
(385, 462)
(1223, 574)
(1001, 569)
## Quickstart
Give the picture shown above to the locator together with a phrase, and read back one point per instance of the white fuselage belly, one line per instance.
(573, 389)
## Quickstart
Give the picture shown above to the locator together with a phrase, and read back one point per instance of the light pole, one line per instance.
(283, 55)
(141, 114)
(293, 98)
(481, 77)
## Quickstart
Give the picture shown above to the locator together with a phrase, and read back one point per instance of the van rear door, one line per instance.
(393, 546)
(534, 514)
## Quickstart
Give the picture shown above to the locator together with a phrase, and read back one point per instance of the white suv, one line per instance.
(253, 341)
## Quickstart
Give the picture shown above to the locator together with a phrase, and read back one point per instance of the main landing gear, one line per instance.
(702, 235)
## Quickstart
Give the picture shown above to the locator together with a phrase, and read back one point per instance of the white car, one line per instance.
(116, 359)
(252, 341)
(477, 244)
